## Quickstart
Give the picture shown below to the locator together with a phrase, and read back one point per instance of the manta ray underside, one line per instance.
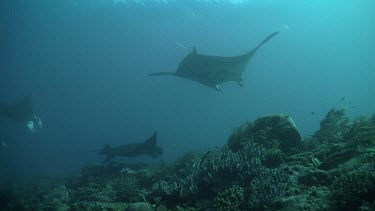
(214, 70)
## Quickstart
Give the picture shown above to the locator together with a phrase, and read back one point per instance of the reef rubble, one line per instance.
(265, 165)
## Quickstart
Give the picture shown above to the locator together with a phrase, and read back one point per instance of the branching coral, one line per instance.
(362, 131)
(267, 186)
(220, 171)
(238, 166)
(125, 188)
(240, 137)
(352, 189)
(232, 198)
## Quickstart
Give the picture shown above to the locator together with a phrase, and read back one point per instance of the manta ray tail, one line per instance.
(266, 40)
(161, 74)
(105, 149)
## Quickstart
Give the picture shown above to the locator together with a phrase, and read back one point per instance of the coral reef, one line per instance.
(356, 188)
(362, 131)
(333, 127)
(271, 131)
(264, 166)
(230, 199)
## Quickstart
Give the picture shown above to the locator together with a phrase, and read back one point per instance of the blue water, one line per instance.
(86, 66)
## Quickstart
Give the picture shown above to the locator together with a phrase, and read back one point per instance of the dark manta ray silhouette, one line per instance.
(20, 111)
(214, 70)
(132, 150)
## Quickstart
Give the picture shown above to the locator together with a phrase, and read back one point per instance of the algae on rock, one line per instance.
(271, 131)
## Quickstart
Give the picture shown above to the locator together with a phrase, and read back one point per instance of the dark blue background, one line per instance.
(86, 66)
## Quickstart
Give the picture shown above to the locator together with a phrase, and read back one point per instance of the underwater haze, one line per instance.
(86, 66)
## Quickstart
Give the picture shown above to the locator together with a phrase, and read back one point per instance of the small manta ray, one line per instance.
(214, 70)
(132, 150)
(22, 111)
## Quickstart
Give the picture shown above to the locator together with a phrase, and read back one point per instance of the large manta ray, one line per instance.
(214, 70)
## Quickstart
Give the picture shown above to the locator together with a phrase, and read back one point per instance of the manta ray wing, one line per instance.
(214, 70)
(21, 111)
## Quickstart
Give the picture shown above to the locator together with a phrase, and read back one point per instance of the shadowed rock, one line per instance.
(271, 130)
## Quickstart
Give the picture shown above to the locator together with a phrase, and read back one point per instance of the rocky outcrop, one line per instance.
(276, 131)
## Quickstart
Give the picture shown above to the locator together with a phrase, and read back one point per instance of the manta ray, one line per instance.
(212, 71)
(132, 150)
(20, 111)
